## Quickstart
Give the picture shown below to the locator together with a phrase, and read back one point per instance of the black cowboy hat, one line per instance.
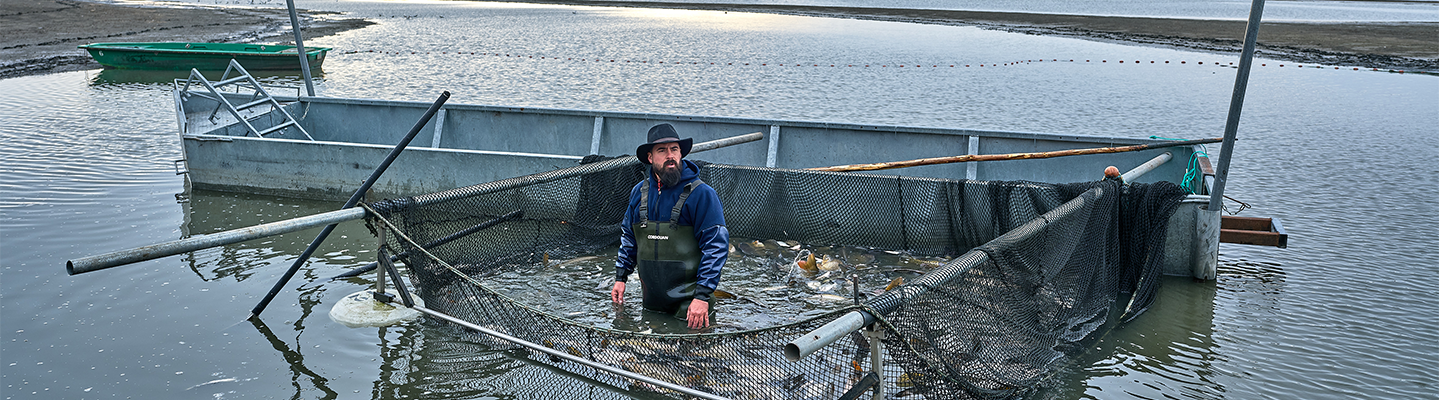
(663, 133)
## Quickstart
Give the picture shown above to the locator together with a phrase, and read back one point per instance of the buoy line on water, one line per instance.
(863, 65)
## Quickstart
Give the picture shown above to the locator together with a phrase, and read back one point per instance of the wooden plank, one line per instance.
(1251, 237)
(1005, 157)
(1245, 223)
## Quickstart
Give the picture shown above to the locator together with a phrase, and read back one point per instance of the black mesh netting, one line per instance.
(1039, 268)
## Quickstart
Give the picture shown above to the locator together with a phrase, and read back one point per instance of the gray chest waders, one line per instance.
(667, 256)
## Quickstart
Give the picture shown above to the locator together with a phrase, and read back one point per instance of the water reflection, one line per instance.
(208, 212)
(280, 83)
(296, 360)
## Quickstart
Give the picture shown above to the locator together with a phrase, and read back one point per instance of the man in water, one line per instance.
(673, 233)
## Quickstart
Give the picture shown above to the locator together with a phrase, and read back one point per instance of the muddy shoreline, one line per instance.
(39, 36)
(1389, 46)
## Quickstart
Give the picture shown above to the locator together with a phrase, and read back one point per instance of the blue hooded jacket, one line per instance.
(702, 210)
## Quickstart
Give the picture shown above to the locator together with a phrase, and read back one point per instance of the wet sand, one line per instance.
(1398, 46)
(39, 36)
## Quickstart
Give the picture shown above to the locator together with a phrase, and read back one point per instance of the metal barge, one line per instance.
(323, 147)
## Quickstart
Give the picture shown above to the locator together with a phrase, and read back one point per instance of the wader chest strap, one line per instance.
(644, 210)
(675, 212)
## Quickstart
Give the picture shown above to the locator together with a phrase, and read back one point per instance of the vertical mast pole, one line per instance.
(1237, 101)
(300, 48)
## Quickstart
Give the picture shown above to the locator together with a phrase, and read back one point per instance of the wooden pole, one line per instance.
(1012, 156)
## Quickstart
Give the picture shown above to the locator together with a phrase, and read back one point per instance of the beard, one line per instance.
(669, 174)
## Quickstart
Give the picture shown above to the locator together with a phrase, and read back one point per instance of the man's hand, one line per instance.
(699, 314)
(617, 293)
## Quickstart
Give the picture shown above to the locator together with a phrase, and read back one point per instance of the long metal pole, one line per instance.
(154, 251)
(548, 176)
(186, 245)
(354, 199)
(1011, 156)
(1135, 173)
(1237, 102)
(300, 48)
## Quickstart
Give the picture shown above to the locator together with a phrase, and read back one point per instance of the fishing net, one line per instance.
(1034, 271)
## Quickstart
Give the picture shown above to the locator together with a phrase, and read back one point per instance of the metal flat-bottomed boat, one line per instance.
(341, 140)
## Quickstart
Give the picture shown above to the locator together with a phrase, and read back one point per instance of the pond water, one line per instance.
(1346, 159)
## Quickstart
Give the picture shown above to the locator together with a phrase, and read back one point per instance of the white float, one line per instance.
(360, 309)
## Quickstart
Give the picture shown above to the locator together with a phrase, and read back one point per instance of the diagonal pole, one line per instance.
(300, 48)
(1237, 101)
(354, 199)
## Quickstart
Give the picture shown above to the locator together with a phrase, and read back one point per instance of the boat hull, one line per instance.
(469, 144)
(201, 56)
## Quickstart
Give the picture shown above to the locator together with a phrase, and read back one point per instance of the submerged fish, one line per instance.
(895, 283)
(831, 297)
(808, 264)
(576, 260)
(606, 284)
(754, 248)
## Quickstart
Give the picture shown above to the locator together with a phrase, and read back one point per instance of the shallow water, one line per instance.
(764, 286)
(1347, 159)
(1275, 11)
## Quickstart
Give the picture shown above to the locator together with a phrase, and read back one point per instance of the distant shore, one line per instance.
(1399, 46)
(39, 36)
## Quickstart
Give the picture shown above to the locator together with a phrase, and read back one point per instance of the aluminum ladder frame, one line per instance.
(260, 97)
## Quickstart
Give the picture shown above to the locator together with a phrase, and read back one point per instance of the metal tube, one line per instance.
(118, 258)
(548, 176)
(386, 265)
(825, 335)
(1237, 102)
(567, 356)
(138, 254)
(727, 142)
(1135, 173)
(380, 255)
(877, 358)
(300, 48)
(354, 199)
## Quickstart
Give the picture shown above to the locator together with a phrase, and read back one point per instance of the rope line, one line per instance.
(1193, 174)
(849, 65)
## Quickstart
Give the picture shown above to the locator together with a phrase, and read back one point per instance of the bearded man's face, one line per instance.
(665, 159)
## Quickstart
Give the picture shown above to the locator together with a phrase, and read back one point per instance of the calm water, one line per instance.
(1287, 10)
(1312, 10)
(1347, 159)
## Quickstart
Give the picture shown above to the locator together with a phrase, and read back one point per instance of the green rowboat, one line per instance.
(201, 56)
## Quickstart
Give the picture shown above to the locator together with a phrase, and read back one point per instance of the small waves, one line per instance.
(65, 149)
